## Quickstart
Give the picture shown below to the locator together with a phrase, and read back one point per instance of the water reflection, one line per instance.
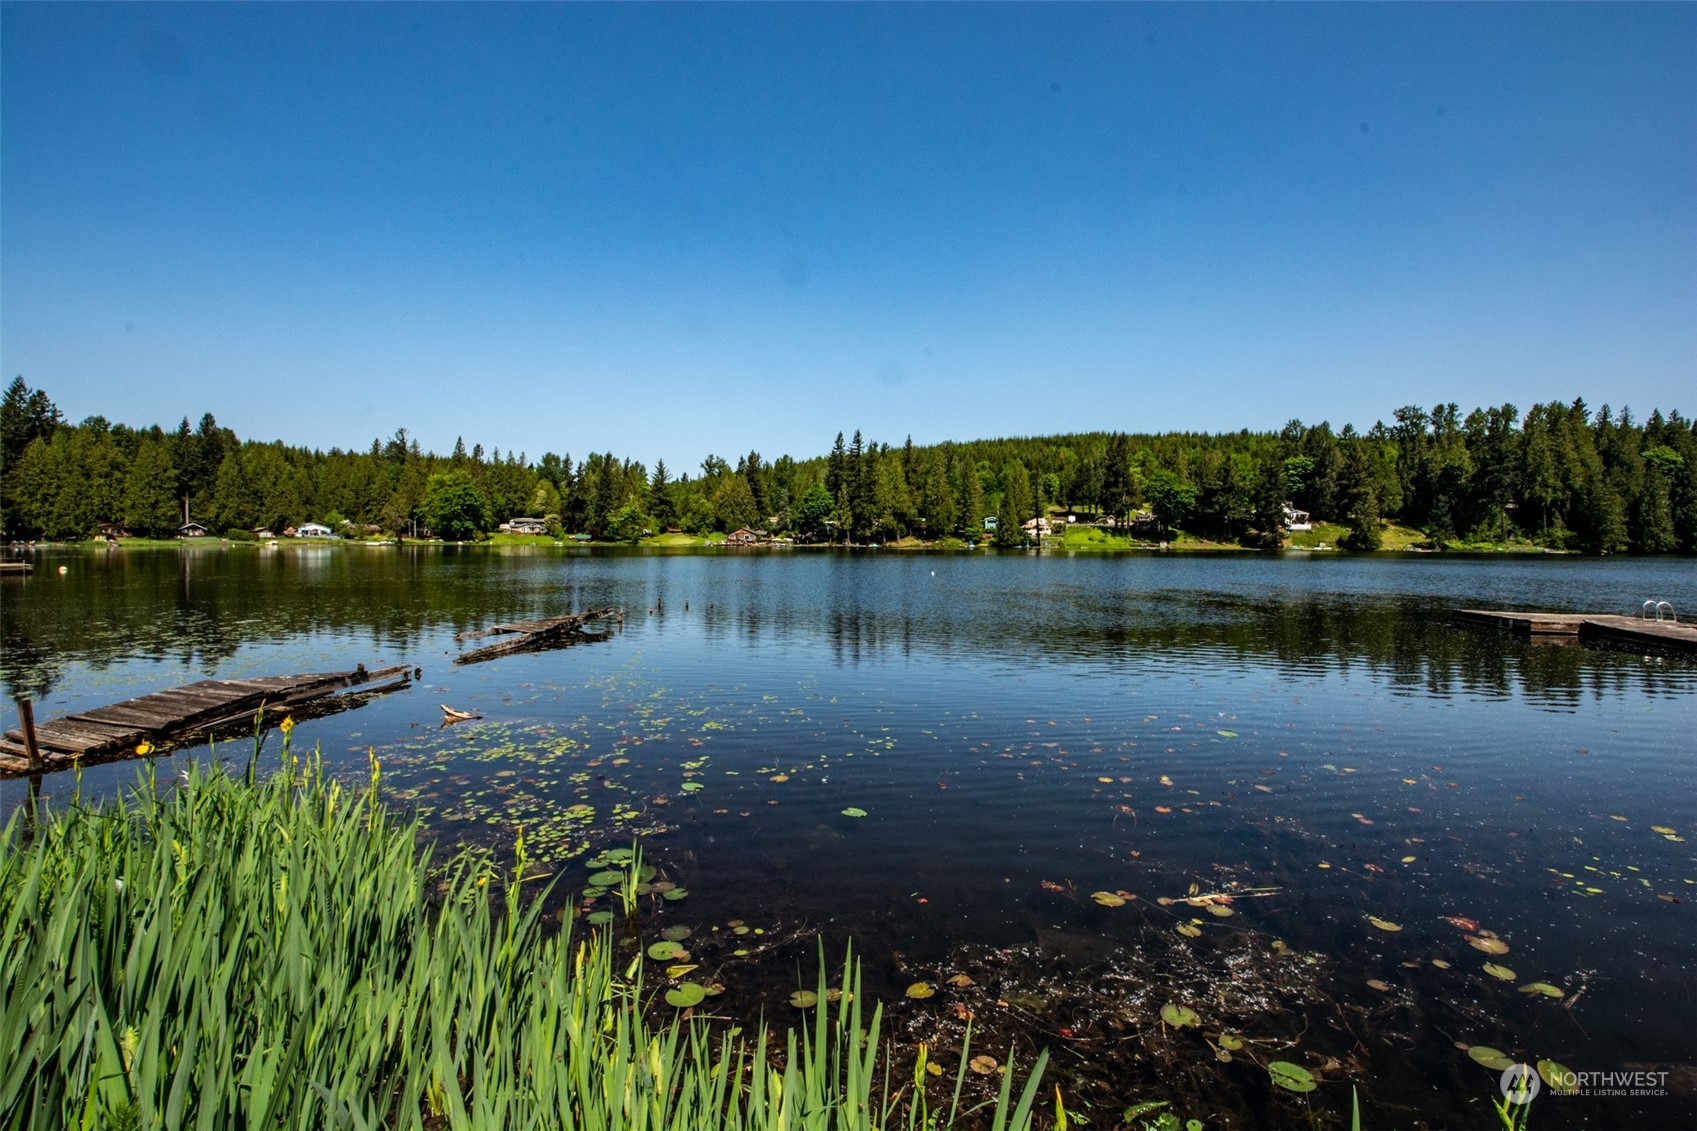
(198, 608)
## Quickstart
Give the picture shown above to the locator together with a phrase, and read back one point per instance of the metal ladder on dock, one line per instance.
(1656, 607)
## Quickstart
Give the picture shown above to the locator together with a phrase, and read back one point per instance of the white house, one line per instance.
(1297, 520)
(312, 530)
(526, 526)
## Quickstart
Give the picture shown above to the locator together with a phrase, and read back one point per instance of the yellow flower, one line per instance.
(287, 725)
(144, 747)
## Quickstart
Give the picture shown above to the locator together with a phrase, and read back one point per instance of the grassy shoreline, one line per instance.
(277, 951)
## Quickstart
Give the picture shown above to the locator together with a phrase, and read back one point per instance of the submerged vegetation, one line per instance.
(1561, 477)
(276, 951)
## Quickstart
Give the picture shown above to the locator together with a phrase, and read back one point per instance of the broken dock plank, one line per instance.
(185, 714)
(534, 635)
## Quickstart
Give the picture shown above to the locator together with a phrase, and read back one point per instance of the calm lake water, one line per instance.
(1308, 735)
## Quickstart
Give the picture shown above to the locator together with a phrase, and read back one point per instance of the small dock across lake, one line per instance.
(1666, 637)
(183, 714)
(534, 635)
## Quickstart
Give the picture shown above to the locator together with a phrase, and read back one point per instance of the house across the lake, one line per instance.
(525, 526)
(1297, 520)
(741, 537)
(312, 530)
(191, 530)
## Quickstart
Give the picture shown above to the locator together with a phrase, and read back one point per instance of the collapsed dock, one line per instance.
(182, 715)
(536, 635)
(1659, 637)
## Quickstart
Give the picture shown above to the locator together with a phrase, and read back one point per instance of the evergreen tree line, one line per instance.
(1562, 475)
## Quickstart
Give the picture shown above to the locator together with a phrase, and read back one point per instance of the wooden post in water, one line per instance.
(26, 718)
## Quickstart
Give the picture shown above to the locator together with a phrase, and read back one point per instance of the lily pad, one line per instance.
(1541, 988)
(983, 1065)
(685, 995)
(676, 934)
(1107, 899)
(921, 990)
(1291, 1077)
(1494, 1059)
(1231, 1041)
(599, 918)
(1440, 964)
(1488, 944)
(1563, 1081)
(1501, 972)
(1220, 910)
(693, 787)
(854, 811)
(663, 950)
(1379, 984)
(606, 879)
(674, 895)
(1179, 1016)
(804, 999)
(1188, 930)
(1384, 924)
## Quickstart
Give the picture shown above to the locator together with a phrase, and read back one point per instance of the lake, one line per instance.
(1283, 793)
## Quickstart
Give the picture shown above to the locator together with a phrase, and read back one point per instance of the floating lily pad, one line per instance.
(1379, 984)
(1563, 1081)
(1384, 924)
(960, 981)
(1541, 988)
(663, 950)
(606, 880)
(1220, 910)
(854, 811)
(1488, 944)
(1231, 1041)
(1188, 930)
(674, 895)
(599, 918)
(619, 855)
(1502, 972)
(921, 990)
(594, 892)
(1107, 899)
(1291, 1077)
(1494, 1059)
(685, 995)
(1179, 1016)
(693, 787)
(1440, 964)
(804, 999)
(676, 934)
(983, 1065)
(1227, 733)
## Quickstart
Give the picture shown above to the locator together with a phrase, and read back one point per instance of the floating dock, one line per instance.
(184, 714)
(16, 569)
(1662, 637)
(535, 635)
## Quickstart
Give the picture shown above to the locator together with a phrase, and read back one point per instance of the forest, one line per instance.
(1561, 476)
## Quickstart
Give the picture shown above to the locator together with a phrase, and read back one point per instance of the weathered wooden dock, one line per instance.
(16, 569)
(1663, 637)
(155, 722)
(535, 635)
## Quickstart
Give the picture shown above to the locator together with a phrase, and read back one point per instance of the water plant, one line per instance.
(275, 950)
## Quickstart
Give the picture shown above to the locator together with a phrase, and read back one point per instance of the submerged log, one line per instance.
(535, 635)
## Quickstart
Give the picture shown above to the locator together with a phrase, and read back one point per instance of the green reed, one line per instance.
(275, 951)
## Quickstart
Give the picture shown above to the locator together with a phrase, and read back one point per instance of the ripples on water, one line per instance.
(1306, 723)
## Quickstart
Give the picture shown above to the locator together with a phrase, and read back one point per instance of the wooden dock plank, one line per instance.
(1666, 637)
(186, 713)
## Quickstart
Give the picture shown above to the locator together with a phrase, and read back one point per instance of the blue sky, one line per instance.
(669, 230)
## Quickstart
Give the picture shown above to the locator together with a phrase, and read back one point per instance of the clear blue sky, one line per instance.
(669, 231)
